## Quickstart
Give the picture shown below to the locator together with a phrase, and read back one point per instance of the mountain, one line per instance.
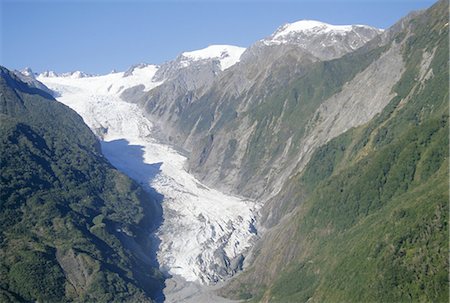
(226, 122)
(217, 57)
(204, 233)
(328, 145)
(205, 111)
(324, 41)
(366, 220)
(49, 74)
(305, 123)
(227, 55)
(28, 76)
(140, 77)
(183, 80)
(73, 228)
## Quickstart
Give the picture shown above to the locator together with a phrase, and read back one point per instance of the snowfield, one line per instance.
(228, 55)
(205, 232)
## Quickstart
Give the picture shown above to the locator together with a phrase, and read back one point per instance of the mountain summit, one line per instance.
(315, 27)
(228, 55)
(323, 40)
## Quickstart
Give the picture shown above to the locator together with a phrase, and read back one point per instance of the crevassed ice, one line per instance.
(203, 229)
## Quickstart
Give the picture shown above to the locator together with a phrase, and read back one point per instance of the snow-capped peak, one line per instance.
(139, 68)
(228, 55)
(76, 75)
(49, 74)
(309, 28)
(27, 72)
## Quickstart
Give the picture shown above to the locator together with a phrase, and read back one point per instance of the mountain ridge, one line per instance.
(337, 132)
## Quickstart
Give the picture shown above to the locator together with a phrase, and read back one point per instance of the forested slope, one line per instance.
(68, 219)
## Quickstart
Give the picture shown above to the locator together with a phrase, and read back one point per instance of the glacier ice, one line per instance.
(205, 233)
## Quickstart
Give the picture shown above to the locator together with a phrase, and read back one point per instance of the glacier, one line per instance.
(205, 233)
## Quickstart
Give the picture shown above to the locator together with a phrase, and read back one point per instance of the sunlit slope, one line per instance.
(371, 222)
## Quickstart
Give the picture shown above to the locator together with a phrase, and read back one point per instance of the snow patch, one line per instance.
(28, 72)
(228, 55)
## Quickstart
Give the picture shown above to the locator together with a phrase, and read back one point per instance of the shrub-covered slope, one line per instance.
(71, 226)
(371, 222)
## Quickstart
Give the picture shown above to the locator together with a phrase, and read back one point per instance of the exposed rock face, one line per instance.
(322, 40)
(232, 119)
(78, 269)
(356, 104)
(211, 112)
(184, 79)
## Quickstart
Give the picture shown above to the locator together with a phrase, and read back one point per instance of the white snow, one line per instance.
(199, 222)
(49, 74)
(110, 84)
(228, 55)
(27, 72)
(75, 74)
(309, 28)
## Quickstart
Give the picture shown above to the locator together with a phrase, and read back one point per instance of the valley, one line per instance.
(310, 166)
(205, 233)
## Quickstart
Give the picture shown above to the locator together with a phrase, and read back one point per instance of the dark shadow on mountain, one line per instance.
(142, 242)
(15, 82)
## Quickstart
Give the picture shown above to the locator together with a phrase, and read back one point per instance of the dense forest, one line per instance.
(71, 224)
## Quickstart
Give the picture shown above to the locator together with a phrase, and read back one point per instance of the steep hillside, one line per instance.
(247, 121)
(366, 220)
(260, 132)
(183, 80)
(73, 228)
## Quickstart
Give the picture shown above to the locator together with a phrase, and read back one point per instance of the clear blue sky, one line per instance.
(98, 36)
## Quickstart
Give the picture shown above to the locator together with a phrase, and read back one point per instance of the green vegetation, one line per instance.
(279, 100)
(292, 104)
(61, 203)
(372, 218)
